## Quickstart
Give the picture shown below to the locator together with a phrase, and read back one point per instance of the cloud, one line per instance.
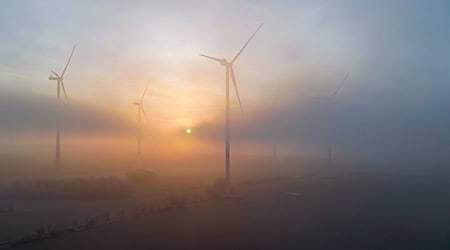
(36, 114)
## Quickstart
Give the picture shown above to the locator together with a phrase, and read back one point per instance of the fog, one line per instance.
(342, 141)
(28, 113)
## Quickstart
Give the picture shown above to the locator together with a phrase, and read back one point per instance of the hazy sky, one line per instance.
(396, 54)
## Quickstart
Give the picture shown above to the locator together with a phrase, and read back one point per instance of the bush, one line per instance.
(141, 176)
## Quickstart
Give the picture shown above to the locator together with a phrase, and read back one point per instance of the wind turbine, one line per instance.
(140, 109)
(330, 98)
(229, 73)
(59, 84)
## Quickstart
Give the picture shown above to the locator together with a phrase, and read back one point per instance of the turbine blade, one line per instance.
(143, 95)
(64, 89)
(233, 78)
(212, 58)
(68, 61)
(340, 86)
(143, 111)
(55, 74)
(245, 45)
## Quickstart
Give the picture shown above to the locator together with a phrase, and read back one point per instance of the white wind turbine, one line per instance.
(59, 84)
(330, 99)
(140, 108)
(229, 72)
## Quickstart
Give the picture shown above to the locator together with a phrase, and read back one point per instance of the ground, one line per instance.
(308, 209)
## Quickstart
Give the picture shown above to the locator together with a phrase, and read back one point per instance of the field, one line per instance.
(289, 207)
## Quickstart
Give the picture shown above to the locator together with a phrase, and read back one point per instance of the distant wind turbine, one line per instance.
(229, 73)
(330, 98)
(59, 84)
(140, 108)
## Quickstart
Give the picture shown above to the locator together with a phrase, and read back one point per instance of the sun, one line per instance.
(188, 131)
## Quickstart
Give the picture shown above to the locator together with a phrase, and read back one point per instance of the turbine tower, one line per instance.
(275, 129)
(59, 78)
(330, 98)
(140, 109)
(229, 73)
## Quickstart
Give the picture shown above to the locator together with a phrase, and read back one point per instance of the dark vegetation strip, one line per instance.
(174, 203)
(100, 220)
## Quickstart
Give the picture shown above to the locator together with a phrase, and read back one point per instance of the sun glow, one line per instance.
(188, 131)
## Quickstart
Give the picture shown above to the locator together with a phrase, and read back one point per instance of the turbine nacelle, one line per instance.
(224, 62)
(52, 77)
